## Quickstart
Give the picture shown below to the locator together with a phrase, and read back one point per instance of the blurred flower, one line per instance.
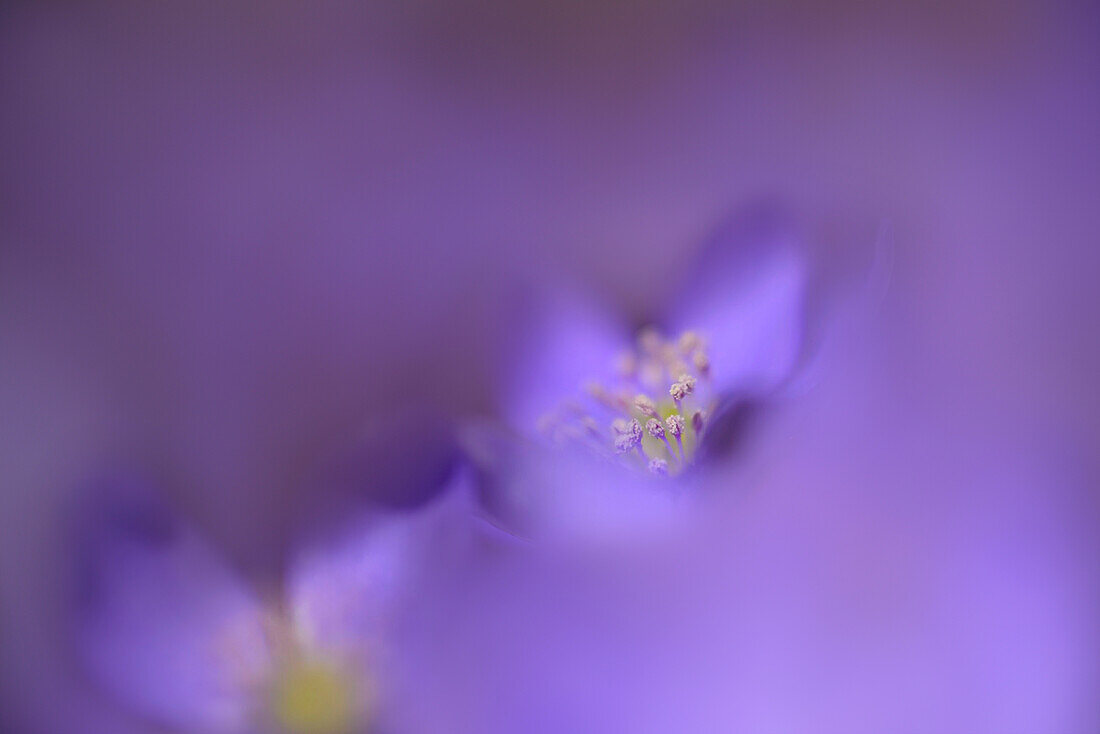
(170, 631)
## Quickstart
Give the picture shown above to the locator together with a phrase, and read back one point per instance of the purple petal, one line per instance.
(400, 459)
(557, 494)
(346, 591)
(562, 341)
(746, 299)
(163, 625)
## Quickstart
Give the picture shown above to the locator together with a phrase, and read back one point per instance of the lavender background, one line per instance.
(230, 235)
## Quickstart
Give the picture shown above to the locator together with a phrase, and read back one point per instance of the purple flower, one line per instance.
(168, 628)
(597, 400)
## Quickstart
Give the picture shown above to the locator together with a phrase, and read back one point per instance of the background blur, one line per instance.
(230, 232)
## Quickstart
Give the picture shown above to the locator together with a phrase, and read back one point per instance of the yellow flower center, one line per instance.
(315, 696)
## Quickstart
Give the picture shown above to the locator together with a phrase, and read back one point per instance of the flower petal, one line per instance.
(554, 494)
(562, 340)
(163, 625)
(346, 590)
(746, 298)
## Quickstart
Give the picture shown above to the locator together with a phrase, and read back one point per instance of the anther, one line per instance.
(689, 342)
(678, 391)
(697, 422)
(649, 339)
(702, 363)
(645, 406)
(597, 391)
(628, 435)
(654, 428)
(605, 397)
(626, 365)
(591, 426)
(679, 364)
(651, 373)
(675, 424)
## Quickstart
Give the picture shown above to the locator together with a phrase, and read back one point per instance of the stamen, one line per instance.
(628, 435)
(651, 374)
(656, 430)
(689, 342)
(591, 426)
(659, 467)
(650, 341)
(633, 398)
(597, 391)
(675, 425)
(702, 363)
(645, 406)
(626, 365)
(678, 391)
(676, 368)
(605, 398)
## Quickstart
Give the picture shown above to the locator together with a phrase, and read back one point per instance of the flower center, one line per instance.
(652, 414)
(313, 696)
(310, 690)
(291, 684)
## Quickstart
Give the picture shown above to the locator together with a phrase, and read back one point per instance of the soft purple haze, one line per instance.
(233, 241)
